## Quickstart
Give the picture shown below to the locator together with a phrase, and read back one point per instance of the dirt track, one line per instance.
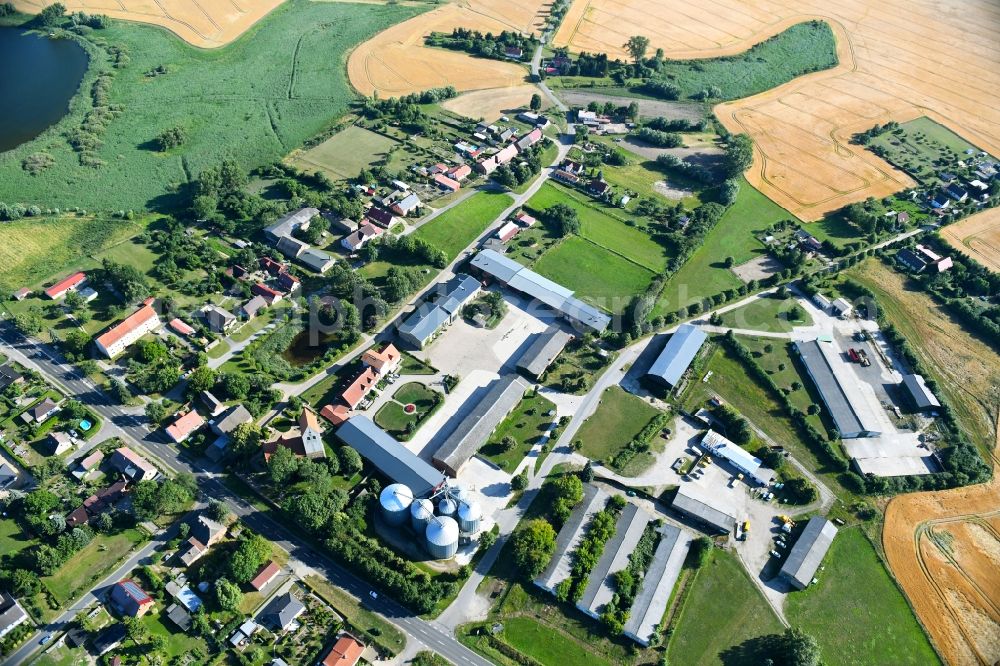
(977, 236)
(899, 59)
(203, 23)
(944, 549)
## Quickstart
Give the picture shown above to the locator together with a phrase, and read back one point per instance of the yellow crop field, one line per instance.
(977, 236)
(899, 59)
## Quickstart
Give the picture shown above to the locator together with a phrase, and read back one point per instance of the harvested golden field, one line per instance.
(204, 23)
(899, 59)
(977, 236)
(491, 104)
(944, 549)
(395, 62)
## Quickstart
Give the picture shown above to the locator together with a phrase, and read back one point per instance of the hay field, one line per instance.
(977, 236)
(899, 60)
(206, 24)
(944, 549)
(395, 62)
(491, 104)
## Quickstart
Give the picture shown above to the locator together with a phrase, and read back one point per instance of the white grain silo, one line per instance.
(442, 537)
(395, 501)
(421, 512)
(470, 515)
(447, 507)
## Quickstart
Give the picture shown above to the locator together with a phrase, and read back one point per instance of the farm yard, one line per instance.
(803, 129)
(395, 62)
(253, 101)
(206, 25)
(345, 154)
(977, 236)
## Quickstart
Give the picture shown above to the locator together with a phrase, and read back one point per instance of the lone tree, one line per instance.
(536, 102)
(170, 138)
(637, 46)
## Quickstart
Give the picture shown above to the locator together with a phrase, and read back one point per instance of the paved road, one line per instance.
(133, 431)
(536, 62)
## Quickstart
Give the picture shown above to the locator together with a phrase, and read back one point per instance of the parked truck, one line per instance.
(853, 354)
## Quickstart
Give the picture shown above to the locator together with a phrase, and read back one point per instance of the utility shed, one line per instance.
(847, 408)
(807, 553)
(543, 351)
(473, 430)
(738, 457)
(390, 457)
(922, 396)
(615, 556)
(676, 357)
(569, 537)
(654, 592)
(705, 508)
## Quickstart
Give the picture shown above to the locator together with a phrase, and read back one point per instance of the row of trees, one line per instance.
(588, 551)
(483, 45)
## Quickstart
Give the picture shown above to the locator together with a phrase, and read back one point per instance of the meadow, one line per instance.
(344, 154)
(768, 314)
(254, 100)
(618, 419)
(705, 273)
(453, 230)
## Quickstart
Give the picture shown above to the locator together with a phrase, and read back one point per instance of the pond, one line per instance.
(38, 77)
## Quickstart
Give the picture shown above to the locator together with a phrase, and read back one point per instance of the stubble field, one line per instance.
(977, 236)
(898, 60)
(203, 23)
(396, 62)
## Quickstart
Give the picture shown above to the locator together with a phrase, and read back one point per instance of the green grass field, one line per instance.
(345, 154)
(920, 147)
(254, 100)
(537, 640)
(722, 610)
(525, 424)
(705, 273)
(88, 564)
(856, 612)
(597, 275)
(618, 419)
(453, 230)
(603, 229)
(12, 538)
(767, 314)
(357, 614)
(392, 418)
(33, 249)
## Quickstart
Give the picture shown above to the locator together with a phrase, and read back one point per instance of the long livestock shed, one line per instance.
(704, 508)
(493, 265)
(847, 408)
(677, 355)
(807, 553)
(569, 537)
(539, 356)
(472, 432)
(654, 592)
(390, 457)
(615, 557)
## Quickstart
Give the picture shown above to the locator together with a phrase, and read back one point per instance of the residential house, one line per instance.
(529, 139)
(233, 417)
(911, 260)
(184, 426)
(346, 651)
(86, 466)
(460, 172)
(288, 282)
(239, 272)
(385, 361)
(267, 573)
(250, 309)
(344, 225)
(211, 403)
(11, 614)
(447, 184)
(67, 284)
(9, 375)
(317, 260)
(272, 267)
(120, 336)
(513, 52)
(940, 264)
(205, 533)
(507, 231)
(362, 385)
(289, 223)
(407, 205)
(97, 504)
(219, 320)
(281, 613)
(380, 217)
(565, 177)
(130, 599)
(132, 465)
(360, 238)
(43, 410)
(108, 640)
(957, 192)
(180, 328)
(272, 296)
(335, 414)
(306, 441)
(524, 219)
(59, 443)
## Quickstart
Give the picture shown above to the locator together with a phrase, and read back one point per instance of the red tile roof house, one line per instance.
(130, 599)
(181, 328)
(384, 361)
(460, 173)
(265, 575)
(345, 652)
(59, 289)
(524, 219)
(271, 266)
(132, 465)
(118, 338)
(335, 414)
(184, 426)
(359, 388)
(446, 183)
(508, 231)
(270, 295)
